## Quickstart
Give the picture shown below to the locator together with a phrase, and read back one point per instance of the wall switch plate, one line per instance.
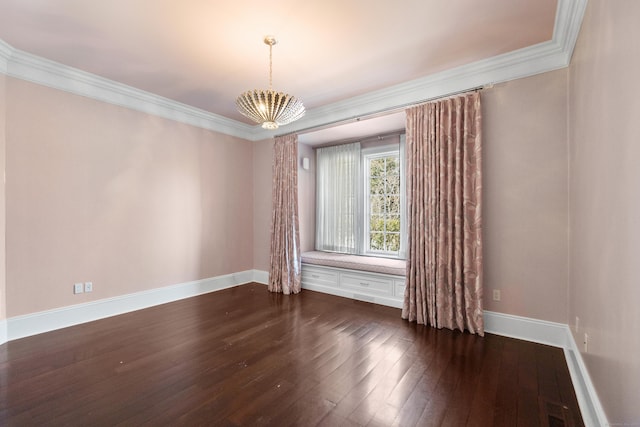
(577, 324)
(496, 295)
(88, 286)
(78, 288)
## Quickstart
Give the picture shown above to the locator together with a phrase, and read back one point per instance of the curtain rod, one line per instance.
(374, 137)
(384, 112)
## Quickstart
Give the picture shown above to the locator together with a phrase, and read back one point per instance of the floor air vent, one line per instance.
(554, 414)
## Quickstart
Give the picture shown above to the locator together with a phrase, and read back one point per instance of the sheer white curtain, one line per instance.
(338, 198)
(403, 198)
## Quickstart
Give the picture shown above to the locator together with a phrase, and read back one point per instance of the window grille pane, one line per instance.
(376, 241)
(393, 223)
(376, 168)
(376, 223)
(393, 242)
(392, 185)
(392, 205)
(377, 204)
(376, 186)
(393, 168)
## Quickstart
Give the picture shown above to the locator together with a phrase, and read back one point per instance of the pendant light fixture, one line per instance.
(268, 107)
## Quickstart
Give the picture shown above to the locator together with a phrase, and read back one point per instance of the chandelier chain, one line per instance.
(270, 66)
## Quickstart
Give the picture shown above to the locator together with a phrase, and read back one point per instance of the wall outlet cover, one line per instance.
(586, 342)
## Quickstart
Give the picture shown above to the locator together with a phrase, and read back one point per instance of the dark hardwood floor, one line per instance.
(243, 356)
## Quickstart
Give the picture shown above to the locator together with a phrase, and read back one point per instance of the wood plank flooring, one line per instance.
(244, 356)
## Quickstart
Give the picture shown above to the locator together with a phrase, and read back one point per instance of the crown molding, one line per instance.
(510, 66)
(35, 69)
(5, 54)
(569, 17)
(525, 62)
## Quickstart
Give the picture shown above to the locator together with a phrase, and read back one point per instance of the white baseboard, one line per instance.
(45, 321)
(3, 331)
(557, 335)
(592, 412)
(534, 330)
(526, 328)
(261, 276)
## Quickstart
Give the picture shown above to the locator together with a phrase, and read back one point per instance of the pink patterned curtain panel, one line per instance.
(444, 194)
(285, 265)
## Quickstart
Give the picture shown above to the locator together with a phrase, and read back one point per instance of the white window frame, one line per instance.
(359, 190)
(369, 154)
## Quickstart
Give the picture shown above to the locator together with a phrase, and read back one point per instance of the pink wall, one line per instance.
(3, 300)
(525, 167)
(307, 198)
(525, 196)
(129, 201)
(262, 159)
(604, 216)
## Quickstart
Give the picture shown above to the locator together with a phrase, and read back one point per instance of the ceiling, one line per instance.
(205, 53)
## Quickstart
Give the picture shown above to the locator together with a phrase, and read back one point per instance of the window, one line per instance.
(382, 202)
(360, 199)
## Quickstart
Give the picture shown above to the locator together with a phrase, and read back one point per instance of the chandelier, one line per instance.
(268, 107)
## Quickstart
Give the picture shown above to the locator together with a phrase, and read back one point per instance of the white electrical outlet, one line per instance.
(78, 288)
(88, 286)
(586, 342)
(496, 295)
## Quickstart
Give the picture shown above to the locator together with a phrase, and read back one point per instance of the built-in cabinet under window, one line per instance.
(384, 289)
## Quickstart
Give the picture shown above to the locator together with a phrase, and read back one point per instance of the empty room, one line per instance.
(364, 213)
